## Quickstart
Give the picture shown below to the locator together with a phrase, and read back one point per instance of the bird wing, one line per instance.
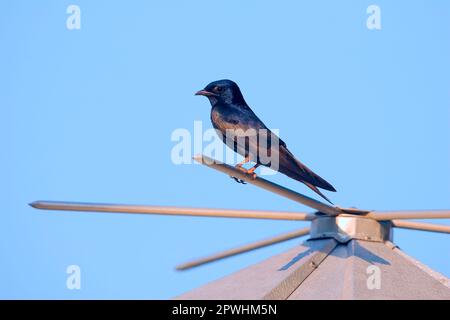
(268, 149)
(251, 134)
(293, 168)
(290, 165)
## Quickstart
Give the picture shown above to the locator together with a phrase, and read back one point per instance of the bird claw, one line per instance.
(252, 174)
(238, 180)
(249, 172)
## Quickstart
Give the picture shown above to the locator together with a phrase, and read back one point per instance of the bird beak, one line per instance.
(205, 93)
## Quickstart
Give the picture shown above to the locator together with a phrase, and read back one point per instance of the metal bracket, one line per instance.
(346, 228)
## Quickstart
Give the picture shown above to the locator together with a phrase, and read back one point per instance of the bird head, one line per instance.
(222, 91)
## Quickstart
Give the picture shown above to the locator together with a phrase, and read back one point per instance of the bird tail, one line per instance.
(314, 188)
(294, 169)
(314, 178)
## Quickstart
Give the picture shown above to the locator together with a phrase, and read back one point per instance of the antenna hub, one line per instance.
(346, 228)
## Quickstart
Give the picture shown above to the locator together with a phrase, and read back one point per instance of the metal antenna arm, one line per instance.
(244, 248)
(411, 214)
(420, 226)
(269, 186)
(176, 211)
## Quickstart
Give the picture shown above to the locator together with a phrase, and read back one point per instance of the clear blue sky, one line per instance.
(86, 115)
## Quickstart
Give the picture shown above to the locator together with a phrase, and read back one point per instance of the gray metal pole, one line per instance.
(177, 211)
(269, 186)
(412, 214)
(242, 249)
(420, 226)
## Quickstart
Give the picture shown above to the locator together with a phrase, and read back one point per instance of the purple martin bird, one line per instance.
(230, 112)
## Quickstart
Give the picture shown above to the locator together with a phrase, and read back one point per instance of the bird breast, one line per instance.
(222, 121)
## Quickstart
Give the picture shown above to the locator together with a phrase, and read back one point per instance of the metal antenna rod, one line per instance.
(244, 248)
(420, 226)
(177, 211)
(413, 214)
(269, 186)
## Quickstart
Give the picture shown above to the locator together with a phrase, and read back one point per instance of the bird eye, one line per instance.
(218, 89)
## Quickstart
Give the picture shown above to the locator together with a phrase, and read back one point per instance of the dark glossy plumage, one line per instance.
(230, 112)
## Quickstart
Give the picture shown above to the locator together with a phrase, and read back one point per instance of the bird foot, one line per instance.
(241, 168)
(252, 174)
(249, 172)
